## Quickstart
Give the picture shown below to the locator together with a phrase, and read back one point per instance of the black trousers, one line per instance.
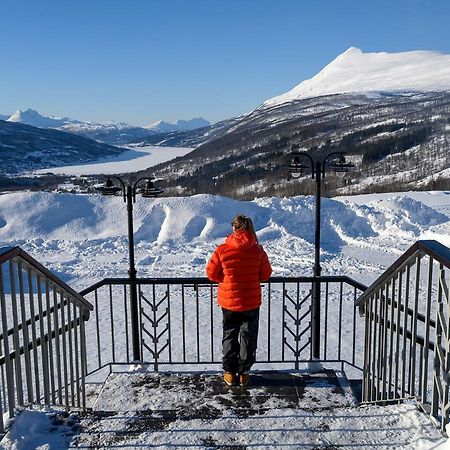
(240, 337)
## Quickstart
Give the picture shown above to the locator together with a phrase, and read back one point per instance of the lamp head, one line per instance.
(340, 167)
(296, 168)
(150, 190)
(109, 188)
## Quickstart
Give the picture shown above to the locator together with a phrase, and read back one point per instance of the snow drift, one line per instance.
(84, 237)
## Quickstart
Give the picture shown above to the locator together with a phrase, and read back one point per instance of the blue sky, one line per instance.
(141, 61)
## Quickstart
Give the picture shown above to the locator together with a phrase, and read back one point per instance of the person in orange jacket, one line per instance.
(239, 266)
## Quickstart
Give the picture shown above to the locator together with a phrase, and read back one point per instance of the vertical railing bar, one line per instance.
(211, 300)
(384, 342)
(297, 328)
(325, 348)
(380, 349)
(341, 287)
(125, 308)
(413, 351)
(155, 328)
(169, 323)
(436, 378)
(354, 327)
(77, 321)
(391, 335)
(111, 314)
(45, 367)
(71, 353)
(424, 378)
(8, 363)
(445, 415)
(366, 371)
(405, 327)
(33, 334)
(2, 400)
(64, 346)
(97, 325)
(141, 320)
(83, 360)
(370, 322)
(421, 368)
(376, 345)
(50, 343)
(283, 320)
(57, 343)
(183, 325)
(397, 341)
(16, 339)
(197, 322)
(25, 334)
(269, 308)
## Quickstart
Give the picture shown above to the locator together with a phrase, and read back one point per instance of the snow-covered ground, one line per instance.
(131, 160)
(83, 239)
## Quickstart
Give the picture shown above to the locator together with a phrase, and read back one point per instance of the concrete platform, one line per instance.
(278, 410)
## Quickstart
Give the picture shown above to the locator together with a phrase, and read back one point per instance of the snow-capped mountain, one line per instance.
(110, 132)
(356, 72)
(180, 125)
(34, 119)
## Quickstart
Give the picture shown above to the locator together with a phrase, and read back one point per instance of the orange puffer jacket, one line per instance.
(239, 265)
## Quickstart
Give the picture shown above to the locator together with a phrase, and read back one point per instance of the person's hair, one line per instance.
(244, 223)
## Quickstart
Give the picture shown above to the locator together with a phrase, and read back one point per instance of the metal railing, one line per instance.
(407, 316)
(180, 322)
(42, 340)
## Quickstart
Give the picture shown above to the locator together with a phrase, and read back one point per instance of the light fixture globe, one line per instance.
(150, 190)
(109, 188)
(340, 167)
(296, 168)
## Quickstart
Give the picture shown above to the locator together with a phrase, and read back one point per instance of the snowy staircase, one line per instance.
(278, 410)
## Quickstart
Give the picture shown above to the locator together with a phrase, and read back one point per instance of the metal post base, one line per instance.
(314, 366)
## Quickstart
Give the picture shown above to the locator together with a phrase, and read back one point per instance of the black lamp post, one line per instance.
(129, 191)
(317, 168)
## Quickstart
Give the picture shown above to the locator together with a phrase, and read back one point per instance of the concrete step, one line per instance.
(278, 410)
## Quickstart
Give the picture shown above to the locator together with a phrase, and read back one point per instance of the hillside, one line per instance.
(398, 142)
(24, 148)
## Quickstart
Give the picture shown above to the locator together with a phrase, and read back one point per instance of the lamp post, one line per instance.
(129, 191)
(317, 168)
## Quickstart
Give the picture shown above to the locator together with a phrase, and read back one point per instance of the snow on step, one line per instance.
(182, 392)
(278, 410)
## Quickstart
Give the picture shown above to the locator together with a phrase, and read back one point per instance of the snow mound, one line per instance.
(43, 215)
(401, 215)
(358, 72)
(83, 238)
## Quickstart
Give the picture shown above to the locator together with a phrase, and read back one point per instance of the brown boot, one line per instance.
(244, 379)
(229, 378)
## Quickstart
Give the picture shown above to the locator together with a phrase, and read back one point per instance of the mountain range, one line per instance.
(114, 133)
(390, 112)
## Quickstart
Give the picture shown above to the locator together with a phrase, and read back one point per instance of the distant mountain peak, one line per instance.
(33, 118)
(180, 125)
(354, 71)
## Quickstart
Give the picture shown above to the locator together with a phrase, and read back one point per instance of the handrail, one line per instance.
(204, 280)
(43, 354)
(407, 323)
(435, 249)
(8, 253)
(170, 308)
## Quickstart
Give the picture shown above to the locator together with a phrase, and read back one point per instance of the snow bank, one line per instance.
(85, 236)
